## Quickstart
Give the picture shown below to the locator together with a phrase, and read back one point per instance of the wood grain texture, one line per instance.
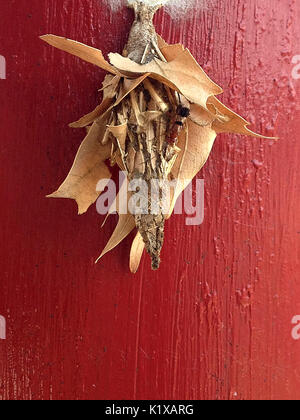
(215, 321)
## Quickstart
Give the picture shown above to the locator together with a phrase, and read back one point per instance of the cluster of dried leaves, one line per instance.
(131, 127)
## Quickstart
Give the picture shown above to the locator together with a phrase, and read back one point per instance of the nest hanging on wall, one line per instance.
(158, 120)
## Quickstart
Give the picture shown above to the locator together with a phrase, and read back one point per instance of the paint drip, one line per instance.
(177, 9)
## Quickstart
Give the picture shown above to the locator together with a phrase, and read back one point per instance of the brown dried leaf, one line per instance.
(228, 121)
(105, 108)
(109, 93)
(161, 42)
(88, 169)
(223, 119)
(128, 86)
(182, 74)
(125, 225)
(200, 116)
(120, 133)
(136, 253)
(109, 84)
(170, 52)
(196, 144)
(89, 54)
(92, 116)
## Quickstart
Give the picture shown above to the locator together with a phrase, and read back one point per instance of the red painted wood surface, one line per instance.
(215, 321)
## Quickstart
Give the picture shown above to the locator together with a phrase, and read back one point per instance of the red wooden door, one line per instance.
(215, 322)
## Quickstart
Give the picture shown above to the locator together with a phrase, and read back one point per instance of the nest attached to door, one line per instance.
(158, 119)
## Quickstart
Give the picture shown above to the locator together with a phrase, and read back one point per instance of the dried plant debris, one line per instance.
(158, 120)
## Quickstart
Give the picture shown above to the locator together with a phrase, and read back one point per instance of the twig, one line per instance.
(155, 96)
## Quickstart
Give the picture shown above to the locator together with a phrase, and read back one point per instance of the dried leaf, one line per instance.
(230, 122)
(201, 117)
(128, 86)
(171, 52)
(126, 222)
(105, 108)
(88, 169)
(196, 144)
(161, 42)
(109, 93)
(89, 54)
(109, 83)
(92, 116)
(182, 74)
(136, 253)
(120, 133)
(124, 227)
